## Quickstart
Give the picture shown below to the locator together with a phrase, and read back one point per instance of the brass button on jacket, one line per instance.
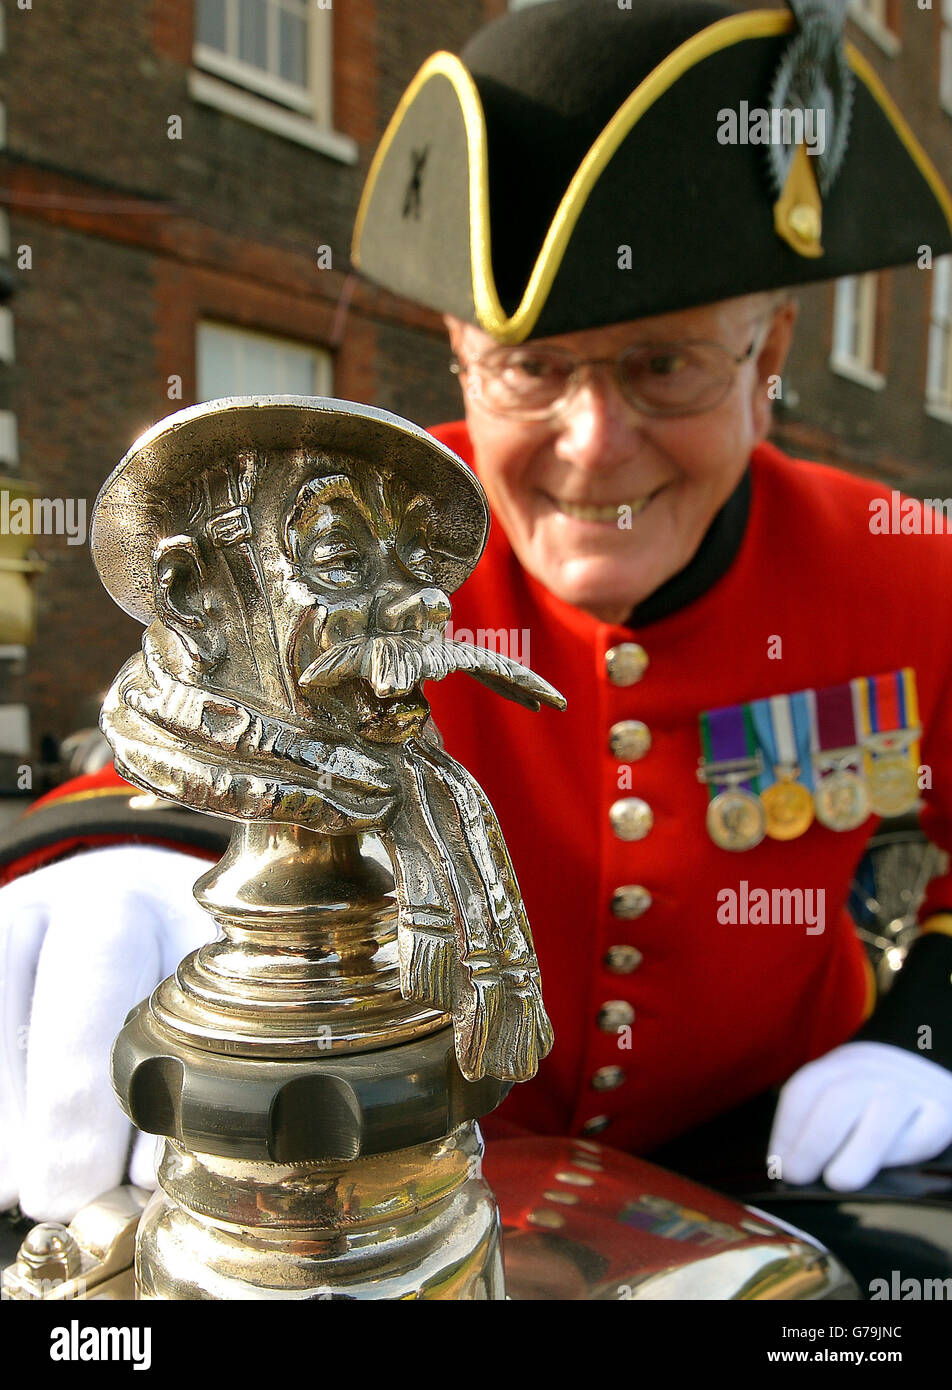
(630, 900)
(631, 818)
(546, 1218)
(629, 740)
(615, 1014)
(626, 663)
(622, 959)
(608, 1078)
(596, 1125)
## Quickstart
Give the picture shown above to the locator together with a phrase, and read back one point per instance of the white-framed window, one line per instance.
(280, 48)
(945, 57)
(235, 361)
(939, 371)
(875, 18)
(855, 330)
(270, 62)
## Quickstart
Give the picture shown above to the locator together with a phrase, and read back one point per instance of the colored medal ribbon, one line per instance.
(802, 711)
(887, 720)
(845, 751)
(840, 792)
(729, 739)
(735, 817)
(788, 804)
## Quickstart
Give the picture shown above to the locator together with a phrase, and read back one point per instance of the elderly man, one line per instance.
(746, 688)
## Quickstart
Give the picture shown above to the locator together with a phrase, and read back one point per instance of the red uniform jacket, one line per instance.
(719, 1012)
(716, 1013)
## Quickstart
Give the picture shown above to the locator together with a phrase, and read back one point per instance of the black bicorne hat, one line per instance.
(586, 162)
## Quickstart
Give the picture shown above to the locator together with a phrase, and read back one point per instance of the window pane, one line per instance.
(939, 379)
(942, 290)
(934, 376)
(253, 33)
(292, 56)
(235, 362)
(866, 325)
(947, 66)
(263, 368)
(844, 319)
(211, 23)
(854, 321)
(217, 363)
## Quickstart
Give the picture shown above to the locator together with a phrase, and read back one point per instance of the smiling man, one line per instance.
(608, 454)
(743, 671)
(748, 686)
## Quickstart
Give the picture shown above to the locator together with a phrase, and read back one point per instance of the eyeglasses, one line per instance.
(535, 382)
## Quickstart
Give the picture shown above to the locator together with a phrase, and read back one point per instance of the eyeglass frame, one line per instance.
(460, 368)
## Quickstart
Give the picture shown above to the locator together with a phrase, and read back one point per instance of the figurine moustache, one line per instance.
(371, 561)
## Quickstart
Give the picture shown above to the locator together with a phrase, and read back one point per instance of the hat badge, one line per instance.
(813, 77)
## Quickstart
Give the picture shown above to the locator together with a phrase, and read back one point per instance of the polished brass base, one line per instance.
(417, 1223)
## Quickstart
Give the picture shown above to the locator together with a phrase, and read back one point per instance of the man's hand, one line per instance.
(862, 1107)
(81, 942)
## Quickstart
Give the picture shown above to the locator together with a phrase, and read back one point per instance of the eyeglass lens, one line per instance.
(659, 377)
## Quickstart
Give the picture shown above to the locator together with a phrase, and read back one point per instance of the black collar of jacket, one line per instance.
(712, 559)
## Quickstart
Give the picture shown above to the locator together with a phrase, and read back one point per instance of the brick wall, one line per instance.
(84, 388)
(136, 237)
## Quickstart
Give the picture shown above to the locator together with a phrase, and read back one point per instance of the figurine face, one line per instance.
(363, 550)
(312, 590)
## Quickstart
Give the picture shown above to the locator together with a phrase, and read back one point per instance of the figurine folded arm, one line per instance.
(217, 753)
(465, 942)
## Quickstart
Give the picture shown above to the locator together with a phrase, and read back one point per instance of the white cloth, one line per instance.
(862, 1107)
(81, 942)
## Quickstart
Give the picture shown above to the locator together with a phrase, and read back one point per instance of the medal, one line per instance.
(887, 717)
(893, 787)
(736, 820)
(840, 754)
(842, 800)
(840, 795)
(735, 816)
(788, 805)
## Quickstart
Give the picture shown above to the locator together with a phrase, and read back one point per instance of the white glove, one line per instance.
(81, 942)
(862, 1107)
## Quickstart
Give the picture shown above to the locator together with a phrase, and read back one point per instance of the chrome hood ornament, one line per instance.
(318, 1069)
(294, 560)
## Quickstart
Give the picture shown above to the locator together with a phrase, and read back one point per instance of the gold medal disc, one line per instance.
(736, 820)
(842, 801)
(788, 807)
(892, 785)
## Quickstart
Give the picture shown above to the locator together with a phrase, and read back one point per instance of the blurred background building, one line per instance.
(178, 182)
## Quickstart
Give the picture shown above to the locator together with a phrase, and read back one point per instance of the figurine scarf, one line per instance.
(464, 941)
